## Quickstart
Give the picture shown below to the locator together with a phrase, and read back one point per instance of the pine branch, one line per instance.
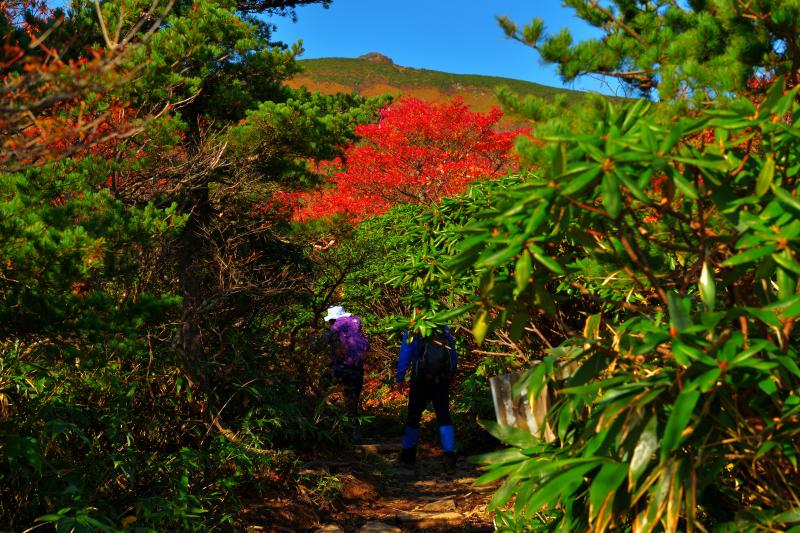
(607, 12)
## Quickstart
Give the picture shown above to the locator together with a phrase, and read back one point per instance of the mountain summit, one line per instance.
(377, 58)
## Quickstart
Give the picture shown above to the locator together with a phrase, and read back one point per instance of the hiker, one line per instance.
(347, 346)
(432, 362)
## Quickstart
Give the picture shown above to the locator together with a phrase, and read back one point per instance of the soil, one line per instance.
(378, 494)
(423, 498)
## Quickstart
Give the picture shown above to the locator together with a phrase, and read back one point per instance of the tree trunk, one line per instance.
(189, 342)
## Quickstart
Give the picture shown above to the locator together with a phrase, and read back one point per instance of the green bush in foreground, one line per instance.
(681, 410)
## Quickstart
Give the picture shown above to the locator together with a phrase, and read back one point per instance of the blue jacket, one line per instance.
(409, 352)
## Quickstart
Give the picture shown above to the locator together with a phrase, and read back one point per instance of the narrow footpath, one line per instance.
(423, 498)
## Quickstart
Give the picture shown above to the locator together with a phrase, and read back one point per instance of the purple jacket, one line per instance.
(348, 342)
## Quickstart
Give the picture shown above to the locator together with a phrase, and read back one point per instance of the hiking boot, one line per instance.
(408, 456)
(449, 461)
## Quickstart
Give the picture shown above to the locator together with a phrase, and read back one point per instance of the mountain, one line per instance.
(375, 74)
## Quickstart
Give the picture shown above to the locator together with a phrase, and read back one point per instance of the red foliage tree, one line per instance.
(419, 152)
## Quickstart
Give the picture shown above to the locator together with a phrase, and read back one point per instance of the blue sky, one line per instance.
(461, 37)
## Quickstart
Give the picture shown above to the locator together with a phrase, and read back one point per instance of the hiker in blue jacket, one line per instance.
(432, 363)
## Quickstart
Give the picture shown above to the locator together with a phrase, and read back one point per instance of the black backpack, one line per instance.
(434, 357)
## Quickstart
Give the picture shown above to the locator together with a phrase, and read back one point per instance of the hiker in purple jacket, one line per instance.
(347, 346)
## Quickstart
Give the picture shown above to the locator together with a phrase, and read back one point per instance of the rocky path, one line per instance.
(425, 498)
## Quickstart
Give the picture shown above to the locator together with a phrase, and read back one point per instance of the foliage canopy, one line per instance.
(419, 152)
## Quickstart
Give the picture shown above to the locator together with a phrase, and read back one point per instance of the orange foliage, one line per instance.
(419, 152)
(46, 113)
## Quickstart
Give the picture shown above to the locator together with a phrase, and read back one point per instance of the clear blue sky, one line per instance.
(461, 37)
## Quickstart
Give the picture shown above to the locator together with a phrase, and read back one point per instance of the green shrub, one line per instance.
(682, 242)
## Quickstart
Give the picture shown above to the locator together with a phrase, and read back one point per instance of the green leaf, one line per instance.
(790, 364)
(557, 487)
(537, 217)
(750, 255)
(678, 419)
(548, 262)
(768, 386)
(765, 448)
(706, 380)
(634, 113)
(646, 520)
(518, 316)
(773, 95)
(786, 281)
(486, 283)
(503, 494)
(765, 316)
(591, 328)
(605, 483)
(447, 316)
(497, 472)
(791, 311)
(675, 135)
(582, 181)
(510, 435)
(480, 326)
(508, 455)
(560, 159)
(499, 258)
(523, 493)
(523, 271)
(532, 380)
(50, 518)
(684, 353)
(719, 165)
(633, 187)
(543, 299)
(764, 180)
(612, 200)
(684, 185)
(679, 311)
(786, 260)
(786, 197)
(789, 517)
(708, 290)
(642, 453)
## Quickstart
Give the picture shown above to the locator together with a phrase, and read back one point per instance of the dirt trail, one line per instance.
(425, 498)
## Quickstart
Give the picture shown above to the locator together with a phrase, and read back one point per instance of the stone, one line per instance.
(357, 489)
(379, 448)
(379, 527)
(330, 528)
(447, 504)
(431, 520)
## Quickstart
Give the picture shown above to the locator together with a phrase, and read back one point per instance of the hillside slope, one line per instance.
(374, 74)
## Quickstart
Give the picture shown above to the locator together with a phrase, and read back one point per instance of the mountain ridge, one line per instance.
(375, 74)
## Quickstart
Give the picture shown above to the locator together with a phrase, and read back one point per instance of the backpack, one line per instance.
(348, 342)
(434, 357)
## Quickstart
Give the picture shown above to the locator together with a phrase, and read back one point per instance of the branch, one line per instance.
(643, 266)
(607, 12)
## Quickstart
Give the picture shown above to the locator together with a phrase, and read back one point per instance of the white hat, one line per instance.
(337, 311)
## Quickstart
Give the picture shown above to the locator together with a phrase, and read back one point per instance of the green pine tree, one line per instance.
(699, 50)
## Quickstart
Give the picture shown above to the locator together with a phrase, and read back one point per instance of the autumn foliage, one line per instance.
(419, 152)
(56, 94)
